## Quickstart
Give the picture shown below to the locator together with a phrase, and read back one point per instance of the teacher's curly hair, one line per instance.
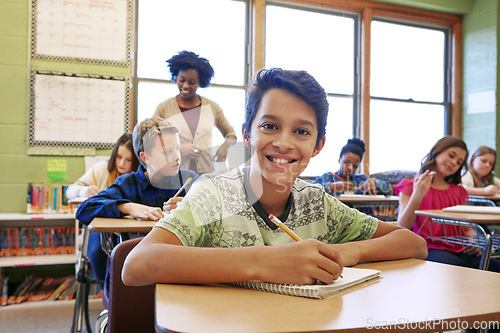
(189, 60)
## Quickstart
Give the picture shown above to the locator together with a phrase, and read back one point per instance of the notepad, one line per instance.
(473, 209)
(351, 277)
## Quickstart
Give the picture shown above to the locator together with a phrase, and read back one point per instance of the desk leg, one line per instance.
(485, 258)
(81, 298)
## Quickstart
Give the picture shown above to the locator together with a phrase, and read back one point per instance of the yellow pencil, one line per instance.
(283, 227)
(183, 187)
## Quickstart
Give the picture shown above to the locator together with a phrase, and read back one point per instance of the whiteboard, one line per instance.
(88, 31)
(76, 110)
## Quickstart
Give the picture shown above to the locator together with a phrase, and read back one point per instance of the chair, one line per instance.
(130, 309)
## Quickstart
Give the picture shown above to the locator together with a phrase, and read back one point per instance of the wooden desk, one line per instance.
(119, 226)
(480, 222)
(411, 295)
(100, 224)
(384, 207)
(392, 199)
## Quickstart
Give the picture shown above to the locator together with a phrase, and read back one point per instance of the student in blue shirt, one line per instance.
(346, 179)
(143, 194)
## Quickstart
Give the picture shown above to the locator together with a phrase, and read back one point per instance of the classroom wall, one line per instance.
(481, 77)
(17, 168)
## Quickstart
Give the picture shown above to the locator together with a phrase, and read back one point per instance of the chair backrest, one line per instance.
(130, 309)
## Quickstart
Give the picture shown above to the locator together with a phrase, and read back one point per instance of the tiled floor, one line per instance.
(44, 317)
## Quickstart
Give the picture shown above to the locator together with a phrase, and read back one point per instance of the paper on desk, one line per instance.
(473, 209)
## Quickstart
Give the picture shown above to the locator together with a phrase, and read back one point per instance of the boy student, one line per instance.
(216, 233)
(143, 193)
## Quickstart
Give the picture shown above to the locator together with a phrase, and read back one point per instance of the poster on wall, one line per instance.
(76, 110)
(84, 31)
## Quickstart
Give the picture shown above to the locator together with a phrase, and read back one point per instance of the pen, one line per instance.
(286, 229)
(183, 187)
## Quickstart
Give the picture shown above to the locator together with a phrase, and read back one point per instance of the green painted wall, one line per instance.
(17, 168)
(481, 73)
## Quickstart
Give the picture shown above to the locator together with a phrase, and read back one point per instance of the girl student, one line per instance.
(480, 179)
(218, 232)
(437, 186)
(345, 178)
(97, 178)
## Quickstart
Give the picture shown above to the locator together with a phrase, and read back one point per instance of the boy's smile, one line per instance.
(283, 139)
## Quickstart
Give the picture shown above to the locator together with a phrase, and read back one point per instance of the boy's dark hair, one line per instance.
(448, 141)
(124, 140)
(189, 60)
(299, 83)
(145, 133)
(355, 146)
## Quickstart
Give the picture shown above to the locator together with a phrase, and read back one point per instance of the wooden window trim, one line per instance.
(368, 10)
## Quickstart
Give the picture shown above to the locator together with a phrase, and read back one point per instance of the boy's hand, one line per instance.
(141, 212)
(369, 187)
(171, 204)
(303, 262)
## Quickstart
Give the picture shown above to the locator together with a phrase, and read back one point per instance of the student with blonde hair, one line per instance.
(144, 193)
(480, 179)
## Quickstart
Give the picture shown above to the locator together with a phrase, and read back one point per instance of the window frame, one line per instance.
(136, 80)
(367, 11)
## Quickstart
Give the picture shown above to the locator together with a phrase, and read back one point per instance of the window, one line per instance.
(410, 62)
(322, 44)
(408, 95)
(168, 27)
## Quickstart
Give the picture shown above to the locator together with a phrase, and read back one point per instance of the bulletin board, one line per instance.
(77, 110)
(83, 31)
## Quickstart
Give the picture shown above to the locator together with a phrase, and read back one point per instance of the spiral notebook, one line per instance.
(351, 277)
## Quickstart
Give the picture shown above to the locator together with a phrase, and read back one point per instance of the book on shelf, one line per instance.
(27, 241)
(5, 289)
(48, 198)
(69, 292)
(473, 209)
(351, 277)
(34, 289)
(65, 284)
(19, 291)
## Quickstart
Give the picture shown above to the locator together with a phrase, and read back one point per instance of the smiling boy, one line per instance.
(220, 232)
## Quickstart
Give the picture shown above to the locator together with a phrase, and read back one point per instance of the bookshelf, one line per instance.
(52, 265)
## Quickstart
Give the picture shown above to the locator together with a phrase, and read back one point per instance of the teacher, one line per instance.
(195, 115)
